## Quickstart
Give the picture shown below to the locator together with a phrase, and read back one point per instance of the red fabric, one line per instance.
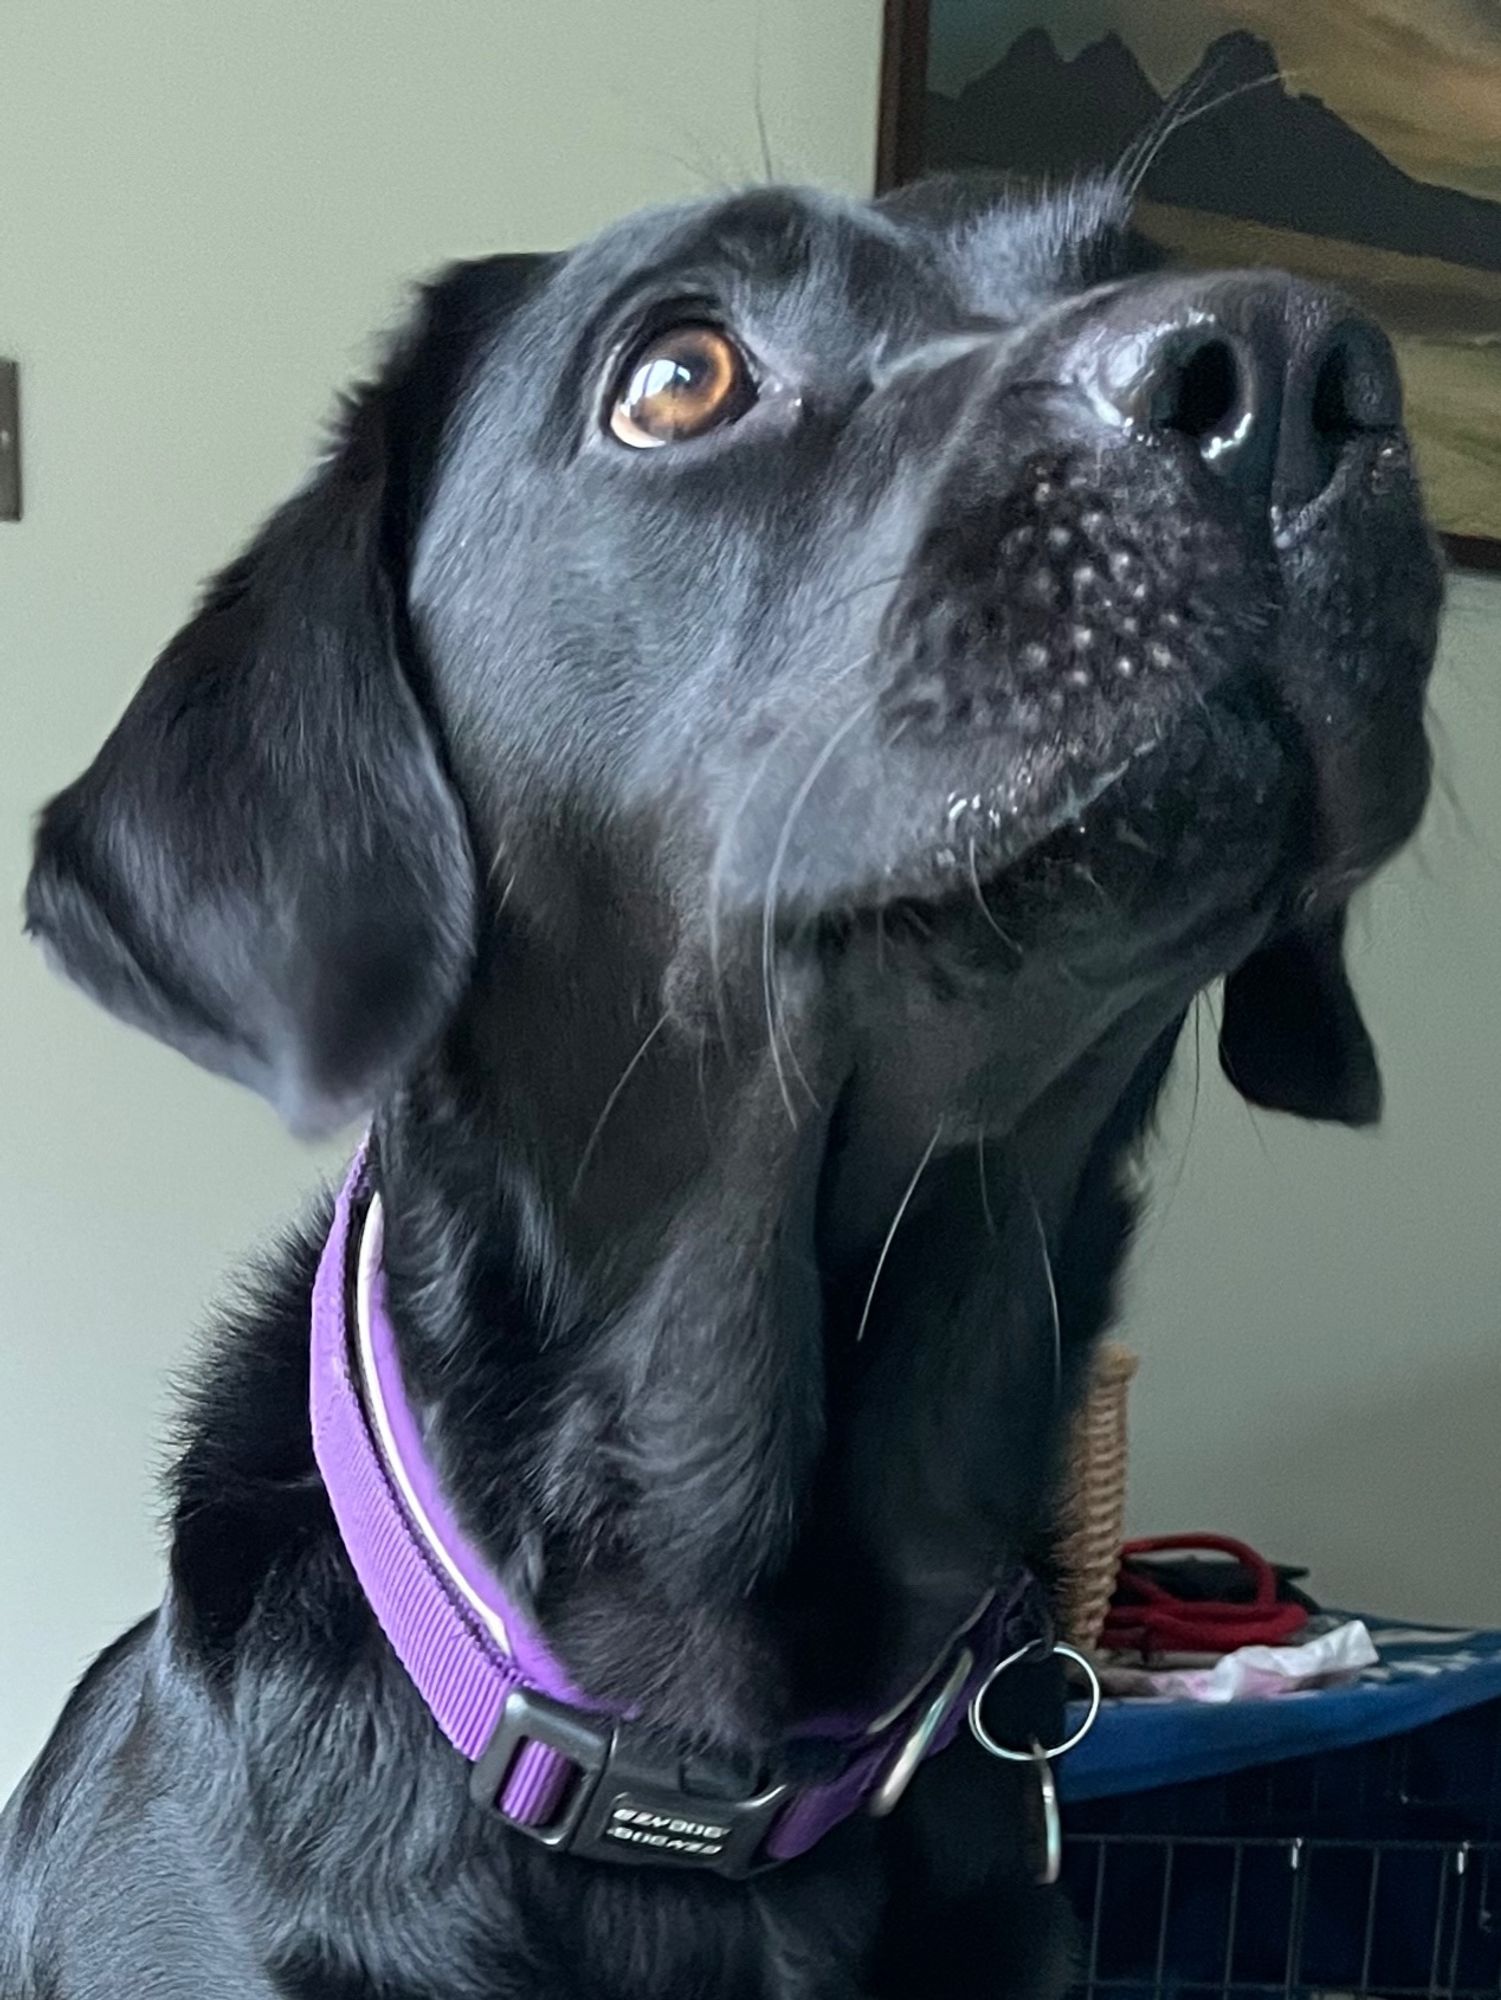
(1146, 1618)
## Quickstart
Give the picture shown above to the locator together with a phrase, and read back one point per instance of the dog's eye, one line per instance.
(680, 385)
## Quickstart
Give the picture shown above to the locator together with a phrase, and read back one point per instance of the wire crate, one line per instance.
(1374, 1870)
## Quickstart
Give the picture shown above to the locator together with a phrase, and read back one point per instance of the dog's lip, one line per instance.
(943, 833)
(889, 830)
(1366, 821)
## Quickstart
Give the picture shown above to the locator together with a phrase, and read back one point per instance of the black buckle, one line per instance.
(622, 1806)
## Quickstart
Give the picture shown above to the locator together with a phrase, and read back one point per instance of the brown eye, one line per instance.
(680, 385)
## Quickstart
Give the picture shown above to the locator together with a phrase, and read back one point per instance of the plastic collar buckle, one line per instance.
(625, 1803)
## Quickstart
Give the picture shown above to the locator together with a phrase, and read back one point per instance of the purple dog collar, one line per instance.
(554, 1764)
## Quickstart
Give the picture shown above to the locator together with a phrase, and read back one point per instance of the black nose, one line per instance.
(1271, 379)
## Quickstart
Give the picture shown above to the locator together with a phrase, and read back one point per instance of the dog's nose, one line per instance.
(1271, 379)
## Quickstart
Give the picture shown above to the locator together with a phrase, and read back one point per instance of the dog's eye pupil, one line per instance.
(682, 384)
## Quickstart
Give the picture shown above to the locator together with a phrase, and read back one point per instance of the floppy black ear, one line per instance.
(1292, 1037)
(266, 866)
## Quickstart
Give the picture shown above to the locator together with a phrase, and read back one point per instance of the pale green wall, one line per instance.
(1320, 1311)
(206, 210)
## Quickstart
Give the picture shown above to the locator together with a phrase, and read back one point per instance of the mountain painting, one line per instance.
(1354, 141)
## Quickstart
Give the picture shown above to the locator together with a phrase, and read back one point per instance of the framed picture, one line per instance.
(1354, 141)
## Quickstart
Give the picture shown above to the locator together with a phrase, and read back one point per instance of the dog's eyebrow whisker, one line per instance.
(768, 906)
(587, 1156)
(767, 166)
(896, 1222)
(700, 160)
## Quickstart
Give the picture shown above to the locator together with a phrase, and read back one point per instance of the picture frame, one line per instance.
(1273, 159)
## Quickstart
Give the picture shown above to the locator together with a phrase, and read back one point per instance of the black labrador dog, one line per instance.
(740, 761)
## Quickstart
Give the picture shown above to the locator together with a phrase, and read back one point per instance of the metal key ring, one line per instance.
(1030, 1755)
(1052, 1822)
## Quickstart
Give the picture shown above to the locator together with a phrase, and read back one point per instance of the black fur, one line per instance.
(699, 860)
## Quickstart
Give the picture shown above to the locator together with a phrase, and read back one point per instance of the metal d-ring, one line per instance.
(919, 1738)
(1029, 1756)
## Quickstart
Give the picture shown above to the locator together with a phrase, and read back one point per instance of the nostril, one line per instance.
(1356, 387)
(1333, 416)
(1272, 384)
(1346, 389)
(1202, 395)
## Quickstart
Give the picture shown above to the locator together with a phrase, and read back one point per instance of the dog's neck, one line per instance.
(744, 1457)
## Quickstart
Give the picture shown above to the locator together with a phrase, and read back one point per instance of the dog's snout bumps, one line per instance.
(1029, 612)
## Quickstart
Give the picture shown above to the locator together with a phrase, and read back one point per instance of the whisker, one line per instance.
(896, 1223)
(712, 175)
(1178, 114)
(700, 160)
(1086, 874)
(703, 1089)
(778, 1039)
(985, 910)
(767, 168)
(1143, 151)
(768, 906)
(1248, 1110)
(1047, 1268)
(726, 839)
(1166, 1188)
(986, 1210)
(610, 1102)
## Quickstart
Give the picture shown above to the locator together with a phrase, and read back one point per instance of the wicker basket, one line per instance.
(1092, 1516)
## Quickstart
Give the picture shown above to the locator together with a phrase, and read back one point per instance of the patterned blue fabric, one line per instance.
(1423, 1675)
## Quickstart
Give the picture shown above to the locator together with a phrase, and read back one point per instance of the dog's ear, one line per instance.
(266, 865)
(1292, 1037)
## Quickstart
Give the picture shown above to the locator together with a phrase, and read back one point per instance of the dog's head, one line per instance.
(785, 704)
(782, 582)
